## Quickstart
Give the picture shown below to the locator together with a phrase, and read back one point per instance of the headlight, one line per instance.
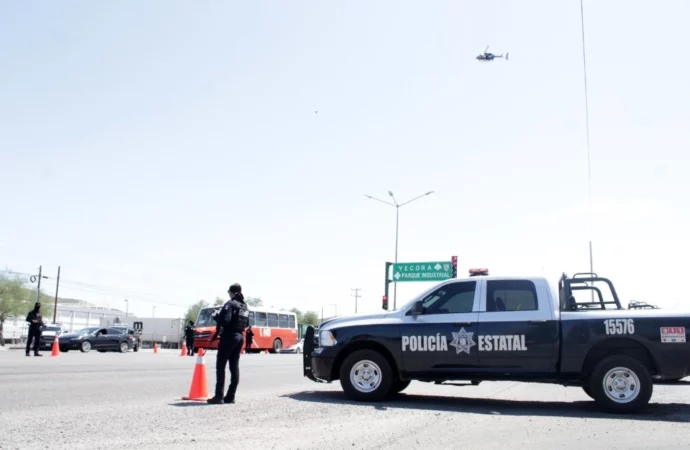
(326, 339)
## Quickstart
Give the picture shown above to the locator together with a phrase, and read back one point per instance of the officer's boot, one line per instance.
(229, 398)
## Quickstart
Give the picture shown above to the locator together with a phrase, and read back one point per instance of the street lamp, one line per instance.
(397, 211)
(127, 310)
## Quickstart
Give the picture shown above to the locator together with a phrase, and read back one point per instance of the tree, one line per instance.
(310, 318)
(13, 300)
(193, 310)
(254, 301)
(218, 301)
(298, 313)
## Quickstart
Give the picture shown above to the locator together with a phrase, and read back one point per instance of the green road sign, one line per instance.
(422, 271)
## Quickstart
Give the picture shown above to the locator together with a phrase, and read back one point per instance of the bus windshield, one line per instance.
(205, 319)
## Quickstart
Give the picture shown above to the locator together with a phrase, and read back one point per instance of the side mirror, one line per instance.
(417, 308)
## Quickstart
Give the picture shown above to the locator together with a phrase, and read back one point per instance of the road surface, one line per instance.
(133, 400)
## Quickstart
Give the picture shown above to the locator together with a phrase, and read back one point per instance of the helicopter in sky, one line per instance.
(490, 56)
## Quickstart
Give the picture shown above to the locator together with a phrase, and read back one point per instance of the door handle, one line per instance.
(462, 324)
(535, 322)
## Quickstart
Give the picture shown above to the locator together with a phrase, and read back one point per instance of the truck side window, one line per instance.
(511, 295)
(453, 298)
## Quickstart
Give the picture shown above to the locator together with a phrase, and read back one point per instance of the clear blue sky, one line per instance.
(167, 148)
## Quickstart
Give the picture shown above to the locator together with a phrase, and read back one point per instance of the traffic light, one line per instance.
(384, 305)
(454, 263)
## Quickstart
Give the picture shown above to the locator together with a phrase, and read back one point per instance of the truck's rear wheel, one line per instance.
(366, 375)
(621, 384)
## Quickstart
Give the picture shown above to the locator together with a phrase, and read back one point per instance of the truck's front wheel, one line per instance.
(621, 384)
(366, 376)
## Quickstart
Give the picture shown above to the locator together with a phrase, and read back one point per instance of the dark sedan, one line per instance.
(96, 338)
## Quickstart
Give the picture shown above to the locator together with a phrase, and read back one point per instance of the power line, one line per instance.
(103, 290)
(589, 164)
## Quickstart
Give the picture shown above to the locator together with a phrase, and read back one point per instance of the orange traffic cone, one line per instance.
(265, 352)
(198, 391)
(56, 348)
(155, 347)
(184, 349)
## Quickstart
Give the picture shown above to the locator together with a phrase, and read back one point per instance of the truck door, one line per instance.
(517, 329)
(443, 338)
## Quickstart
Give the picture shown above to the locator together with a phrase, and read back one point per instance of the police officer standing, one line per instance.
(250, 339)
(35, 319)
(231, 320)
(189, 337)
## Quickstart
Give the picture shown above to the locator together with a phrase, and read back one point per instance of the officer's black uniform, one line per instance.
(35, 319)
(189, 337)
(232, 320)
(249, 340)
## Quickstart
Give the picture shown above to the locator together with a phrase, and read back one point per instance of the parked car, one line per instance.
(48, 334)
(96, 338)
(297, 348)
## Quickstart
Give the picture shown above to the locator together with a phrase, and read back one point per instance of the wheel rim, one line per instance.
(86, 346)
(621, 385)
(124, 347)
(365, 376)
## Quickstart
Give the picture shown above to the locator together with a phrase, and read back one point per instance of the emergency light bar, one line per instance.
(476, 272)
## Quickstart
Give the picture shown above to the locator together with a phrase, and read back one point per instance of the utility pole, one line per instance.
(397, 221)
(356, 295)
(57, 286)
(38, 289)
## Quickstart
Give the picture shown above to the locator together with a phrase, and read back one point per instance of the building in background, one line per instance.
(71, 317)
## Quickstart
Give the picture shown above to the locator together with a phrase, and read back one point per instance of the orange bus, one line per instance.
(273, 329)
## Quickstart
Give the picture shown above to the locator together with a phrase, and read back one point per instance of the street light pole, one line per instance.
(127, 310)
(397, 222)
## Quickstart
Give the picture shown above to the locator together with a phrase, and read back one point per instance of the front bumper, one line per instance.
(70, 345)
(322, 367)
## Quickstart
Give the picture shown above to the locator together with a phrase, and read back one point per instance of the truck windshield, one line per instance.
(205, 319)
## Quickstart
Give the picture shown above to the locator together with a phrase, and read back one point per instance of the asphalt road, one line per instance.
(125, 401)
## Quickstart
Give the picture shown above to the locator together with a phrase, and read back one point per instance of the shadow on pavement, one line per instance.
(183, 403)
(661, 412)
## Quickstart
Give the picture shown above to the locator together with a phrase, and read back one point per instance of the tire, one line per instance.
(298, 351)
(277, 345)
(64, 350)
(100, 351)
(85, 347)
(124, 347)
(626, 375)
(366, 375)
(398, 386)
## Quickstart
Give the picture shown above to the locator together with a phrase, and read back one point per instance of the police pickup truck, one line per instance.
(485, 328)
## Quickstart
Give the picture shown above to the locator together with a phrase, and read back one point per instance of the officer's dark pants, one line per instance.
(248, 346)
(34, 335)
(190, 347)
(229, 349)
